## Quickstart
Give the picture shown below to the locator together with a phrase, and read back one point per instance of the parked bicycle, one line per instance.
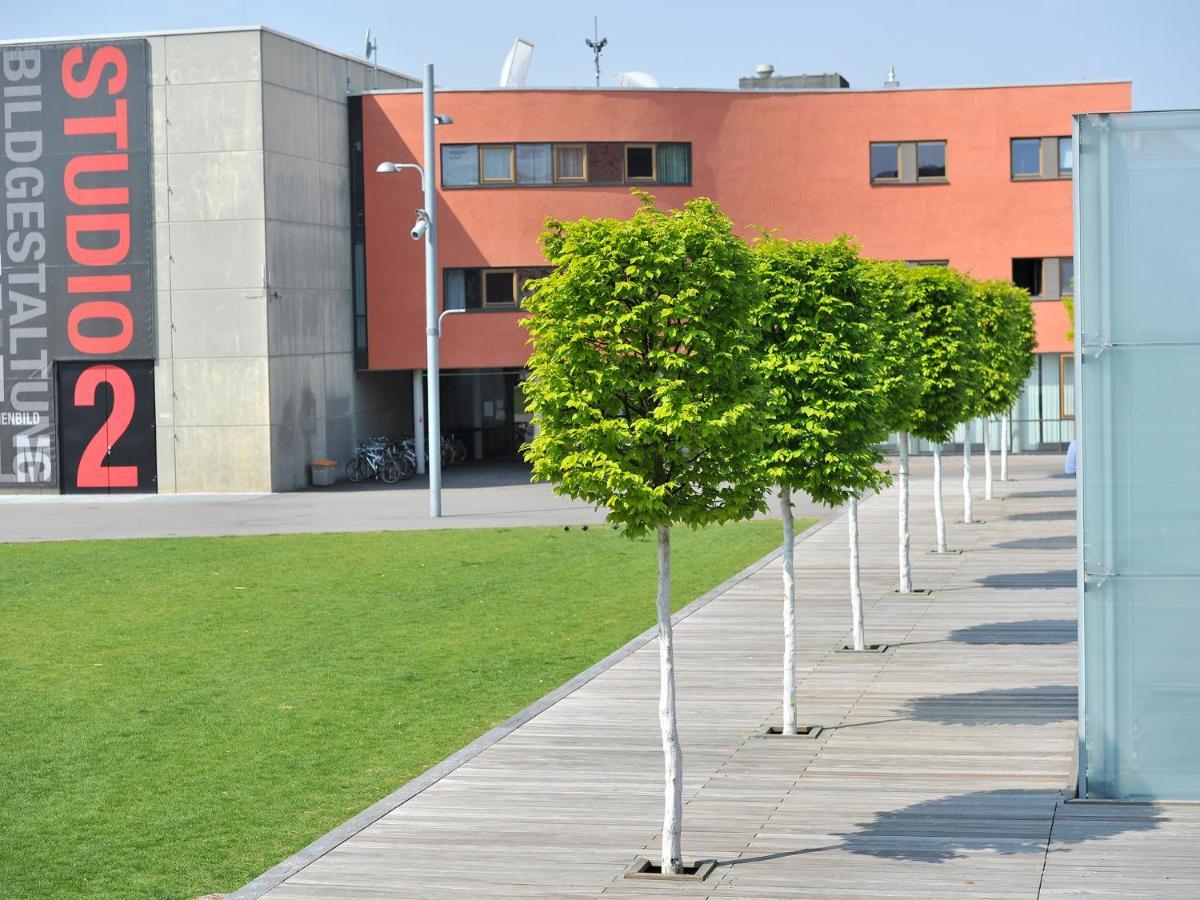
(381, 457)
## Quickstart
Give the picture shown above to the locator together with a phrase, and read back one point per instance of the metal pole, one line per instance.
(433, 411)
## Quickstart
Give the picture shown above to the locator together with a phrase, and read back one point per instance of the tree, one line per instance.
(939, 300)
(642, 386)
(1006, 342)
(898, 379)
(823, 415)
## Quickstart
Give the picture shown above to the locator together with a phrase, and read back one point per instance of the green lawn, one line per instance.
(178, 715)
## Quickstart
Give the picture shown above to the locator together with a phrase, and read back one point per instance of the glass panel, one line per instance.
(931, 159)
(885, 161)
(534, 164)
(639, 163)
(569, 162)
(499, 288)
(456, 289)
(674, 163)
(460, 165)
(1065, 156)
(1027, 156)
(1027, 273)
(1066, 276)
(1066, 386)
(498, 163)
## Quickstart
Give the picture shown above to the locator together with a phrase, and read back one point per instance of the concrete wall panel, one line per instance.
(221, 391)
(293, 188)
(290, 122)
(234, 459)
(214, 117)
(333, 132)
(213, 57)
(210, 186)
(222, 254)
(297, 321)
(334, 198)
(290, 63)
(217, 323)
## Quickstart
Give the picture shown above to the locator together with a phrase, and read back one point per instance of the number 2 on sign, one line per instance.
(92, 471)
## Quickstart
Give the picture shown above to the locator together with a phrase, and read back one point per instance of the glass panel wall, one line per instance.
(1138, 340)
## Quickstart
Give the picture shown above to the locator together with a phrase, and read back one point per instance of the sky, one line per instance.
(1156, 43)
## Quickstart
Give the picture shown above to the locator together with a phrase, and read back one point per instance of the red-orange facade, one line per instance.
(798, 162)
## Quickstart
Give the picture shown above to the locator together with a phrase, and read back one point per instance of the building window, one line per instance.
(1066, 385)
(640, 162)
(1026, 157)
(885, 162)
(674, 163)
(931, 159)
(1066, 157)
(1066, 276)
(496, 164)
(535, 164)
(917, 263)
(500, 287)
(1027, 274)
(494, 289)
(460, 165)
(570, 162)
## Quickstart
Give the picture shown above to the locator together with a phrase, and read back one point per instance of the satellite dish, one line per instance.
(516, 64)
(635, 80)
(370, 45)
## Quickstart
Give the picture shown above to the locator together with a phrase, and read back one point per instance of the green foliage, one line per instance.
(820, 359)
(181, 714)
(898, 373)
(941, 302)
(641, 372)
(1068, 301)
(1006, 343)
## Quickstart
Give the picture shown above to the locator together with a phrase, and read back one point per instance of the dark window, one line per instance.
(1027, 273)
(885, 162)
(931, 159)
(500, 287)
(1066, 276)
(1066, 161)
(1026, 157)
(640, 162)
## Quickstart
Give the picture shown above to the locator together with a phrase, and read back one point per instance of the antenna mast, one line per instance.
(597, 44)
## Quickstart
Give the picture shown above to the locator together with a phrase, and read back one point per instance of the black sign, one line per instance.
(76, 262)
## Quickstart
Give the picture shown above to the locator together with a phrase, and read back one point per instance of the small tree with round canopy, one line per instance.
(642, 387)
(819, 363)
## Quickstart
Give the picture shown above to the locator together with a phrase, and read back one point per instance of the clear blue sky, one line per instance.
(709, 44)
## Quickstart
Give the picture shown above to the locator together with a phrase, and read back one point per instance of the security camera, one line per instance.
(419, 228)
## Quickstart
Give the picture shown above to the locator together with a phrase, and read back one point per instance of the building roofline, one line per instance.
(754, 91)
(178, 32)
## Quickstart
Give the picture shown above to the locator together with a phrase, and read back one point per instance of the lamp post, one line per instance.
(426, 227)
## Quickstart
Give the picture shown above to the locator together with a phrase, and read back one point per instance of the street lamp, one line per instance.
(425, 226)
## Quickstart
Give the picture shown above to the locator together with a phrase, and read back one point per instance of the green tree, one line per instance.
(899, 380)
(643, 391)
(940, 302)
(824, 414)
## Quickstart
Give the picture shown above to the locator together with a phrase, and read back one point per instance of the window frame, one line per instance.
(1040, 278)
(512, 164)
(1058, 158)
(1039, 175)
(630, 179)
(484, 303)
(926, 179)
(562, 179)
(1062, 387)
(871, 167)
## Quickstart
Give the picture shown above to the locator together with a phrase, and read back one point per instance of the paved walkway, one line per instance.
(941, 772)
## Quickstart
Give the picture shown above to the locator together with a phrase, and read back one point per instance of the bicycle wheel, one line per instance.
(389, 471)
(356, 470)
(408, 465)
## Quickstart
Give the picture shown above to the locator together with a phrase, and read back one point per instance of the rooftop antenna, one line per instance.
(891, 79)
(516, 65)
(597, 45)
(372, 55)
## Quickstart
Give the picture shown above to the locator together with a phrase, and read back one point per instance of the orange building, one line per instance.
(977, 178)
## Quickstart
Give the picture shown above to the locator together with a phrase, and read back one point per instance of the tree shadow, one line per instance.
(1042, 705)
(1047, 515)
(1052, 578)
(1007, 822)
(1031, 495)
(1029, 631)
(1054, 542)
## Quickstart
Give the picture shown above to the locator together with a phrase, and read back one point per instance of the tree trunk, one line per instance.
(968, 500)
(672, 853)
(987, 459)
(856, 605)
(939, 516)
(1004, 447)
(789, 612)
(905, 562)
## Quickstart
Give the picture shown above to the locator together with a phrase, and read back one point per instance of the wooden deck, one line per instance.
(941, 771)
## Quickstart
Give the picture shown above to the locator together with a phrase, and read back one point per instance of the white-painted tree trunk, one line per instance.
(905, 559)
(856, 603)
(987, 458)
(968, 500)
(939, 516)
(1004, 447)
(672, 852)
(789, 612)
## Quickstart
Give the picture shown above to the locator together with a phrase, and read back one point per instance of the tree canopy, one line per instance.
(898, 375)
(641, 382)
(1006, 344)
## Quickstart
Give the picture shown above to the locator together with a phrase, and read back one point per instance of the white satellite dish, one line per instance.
(635, 80)
(370, 45)
(516, 65)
